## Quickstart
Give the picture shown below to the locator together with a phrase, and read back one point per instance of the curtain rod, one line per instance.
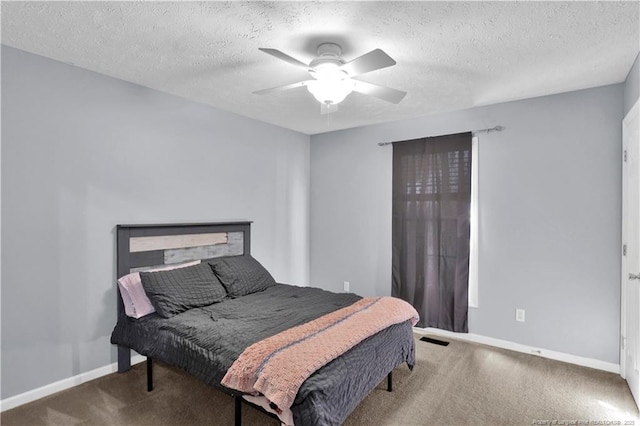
(489, 130)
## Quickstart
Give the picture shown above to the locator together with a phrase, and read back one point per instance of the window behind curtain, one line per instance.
(430, 229)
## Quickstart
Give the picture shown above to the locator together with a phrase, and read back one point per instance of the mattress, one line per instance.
(206, 341)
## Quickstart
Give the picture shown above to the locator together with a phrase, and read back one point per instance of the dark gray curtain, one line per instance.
(431, 208)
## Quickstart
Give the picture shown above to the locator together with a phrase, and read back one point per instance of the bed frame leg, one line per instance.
(238, 410)
(124, 359)
(149, 374)
(390, 381)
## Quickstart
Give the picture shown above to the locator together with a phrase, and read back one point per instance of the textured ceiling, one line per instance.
(450, 55)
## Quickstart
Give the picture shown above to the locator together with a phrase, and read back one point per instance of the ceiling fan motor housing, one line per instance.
(328, 60)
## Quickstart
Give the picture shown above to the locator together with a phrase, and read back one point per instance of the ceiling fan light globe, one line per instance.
(330, 92)
(327, 71)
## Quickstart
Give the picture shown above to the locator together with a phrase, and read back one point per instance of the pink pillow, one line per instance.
(136, 302)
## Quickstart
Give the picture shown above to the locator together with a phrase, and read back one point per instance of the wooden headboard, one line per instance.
(142, 247)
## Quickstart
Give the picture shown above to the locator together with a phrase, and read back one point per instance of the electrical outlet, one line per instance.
(346, 286)
(520, 315)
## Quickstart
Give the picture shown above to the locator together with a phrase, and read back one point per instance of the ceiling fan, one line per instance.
(333, 78)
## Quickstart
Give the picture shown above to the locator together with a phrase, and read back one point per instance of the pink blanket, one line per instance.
(276, 367)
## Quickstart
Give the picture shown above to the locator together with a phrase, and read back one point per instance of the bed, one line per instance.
(206, 341)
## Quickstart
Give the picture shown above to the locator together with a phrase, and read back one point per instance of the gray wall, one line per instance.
(549, 201)
(82, 152)
(632, 86)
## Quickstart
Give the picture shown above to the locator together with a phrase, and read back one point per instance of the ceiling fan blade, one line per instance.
(283, 56)
(385, 93)
(282, 88)
(374, 60)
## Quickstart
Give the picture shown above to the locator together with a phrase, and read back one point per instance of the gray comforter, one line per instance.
(206, 341)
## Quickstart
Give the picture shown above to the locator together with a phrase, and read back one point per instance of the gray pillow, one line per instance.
(175, 291)
(241, 275)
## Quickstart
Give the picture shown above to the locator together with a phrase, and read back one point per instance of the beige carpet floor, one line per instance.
(461, 384)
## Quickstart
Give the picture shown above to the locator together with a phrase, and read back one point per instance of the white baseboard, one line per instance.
(63, 384)
(505, 344)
